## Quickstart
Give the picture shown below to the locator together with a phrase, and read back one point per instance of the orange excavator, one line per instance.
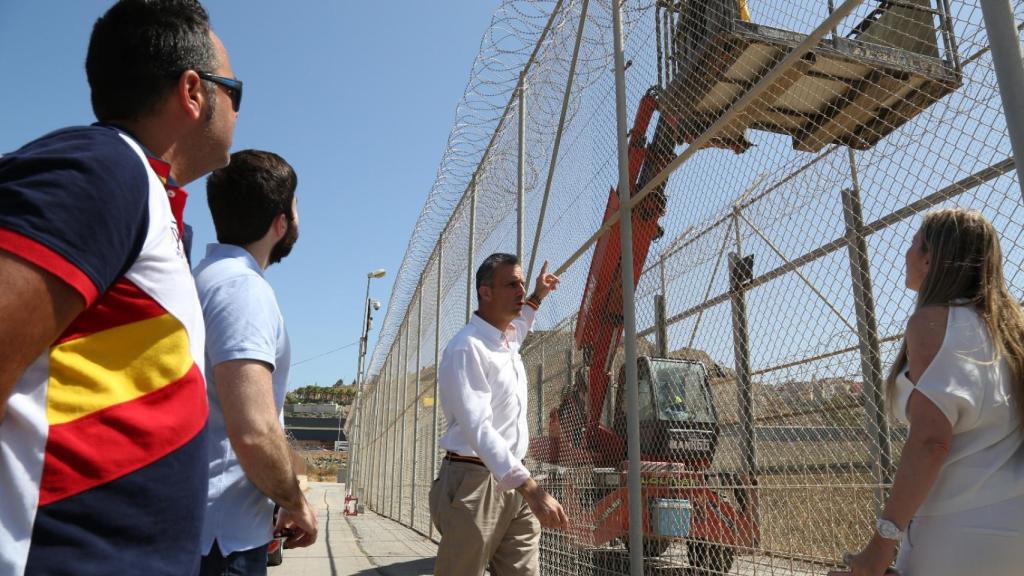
(714, 514)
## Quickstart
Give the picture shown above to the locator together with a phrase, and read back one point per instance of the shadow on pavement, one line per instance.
(418, 567)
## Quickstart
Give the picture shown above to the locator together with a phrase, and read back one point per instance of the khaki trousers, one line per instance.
(481, 527)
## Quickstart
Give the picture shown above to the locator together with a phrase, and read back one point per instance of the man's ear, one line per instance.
(280, 225)
(484, 293)
(190, 94)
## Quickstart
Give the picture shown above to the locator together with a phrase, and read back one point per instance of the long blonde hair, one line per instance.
(966, 263)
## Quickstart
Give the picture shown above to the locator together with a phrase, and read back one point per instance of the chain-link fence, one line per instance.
(780, 155)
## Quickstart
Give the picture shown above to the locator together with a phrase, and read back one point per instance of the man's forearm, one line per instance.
(266, 459)
(245, 390)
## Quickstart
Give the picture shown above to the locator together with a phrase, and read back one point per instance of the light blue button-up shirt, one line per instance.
(243, 322)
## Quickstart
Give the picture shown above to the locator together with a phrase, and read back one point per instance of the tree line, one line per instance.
(315, 394)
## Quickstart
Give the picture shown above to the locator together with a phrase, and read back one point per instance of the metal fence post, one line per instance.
(396, 410)
(396, 388)
(740, 273)
(370, 447)
(661, 275)
(867, 336)
(416, 407)
(570, 363)
(378, 424)
(553, 164)
(360, 479)
(352, 439)
(521, 180)
(392, 424)
(437, 362)
(386, 387)
(1008, 62)
(540, 395)
(378, 476)
(367, 467)
(386, 467)
(382, 378)
(569, 367)
(661, 334)
(383, 436)
(636, 553)
(403, 411)
(470, 259)
(368, 410)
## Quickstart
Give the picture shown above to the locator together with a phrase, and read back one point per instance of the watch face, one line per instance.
(888, 530)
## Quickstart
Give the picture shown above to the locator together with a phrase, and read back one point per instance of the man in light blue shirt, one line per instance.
(252, 202)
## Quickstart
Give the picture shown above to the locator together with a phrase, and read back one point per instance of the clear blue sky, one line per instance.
(358, 96)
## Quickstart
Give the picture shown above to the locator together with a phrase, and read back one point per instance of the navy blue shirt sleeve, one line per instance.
(75, 203)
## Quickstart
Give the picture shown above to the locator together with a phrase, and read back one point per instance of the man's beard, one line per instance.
(284, 245)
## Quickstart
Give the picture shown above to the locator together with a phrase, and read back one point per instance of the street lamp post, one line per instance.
(368, 307)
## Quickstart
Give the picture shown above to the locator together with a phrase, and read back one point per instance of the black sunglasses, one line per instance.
(232, 86)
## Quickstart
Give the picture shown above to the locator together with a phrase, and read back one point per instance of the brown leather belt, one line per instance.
(453, 457)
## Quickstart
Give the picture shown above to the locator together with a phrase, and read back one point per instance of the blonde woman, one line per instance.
(957, 501)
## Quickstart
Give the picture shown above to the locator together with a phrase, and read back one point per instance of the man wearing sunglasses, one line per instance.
(102, 398)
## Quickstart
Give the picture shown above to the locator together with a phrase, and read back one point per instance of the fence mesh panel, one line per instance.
(782, 153)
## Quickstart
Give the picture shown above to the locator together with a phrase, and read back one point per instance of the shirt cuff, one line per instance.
(222, 356)
(514, 478)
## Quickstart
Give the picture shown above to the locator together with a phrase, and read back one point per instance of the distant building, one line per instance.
(315, 410)
(308, 428)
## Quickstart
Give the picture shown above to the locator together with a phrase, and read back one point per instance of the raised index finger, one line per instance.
(544, 269)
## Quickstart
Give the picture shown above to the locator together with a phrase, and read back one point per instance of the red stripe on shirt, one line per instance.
(119, 440)
(123, 303)
(45, 258)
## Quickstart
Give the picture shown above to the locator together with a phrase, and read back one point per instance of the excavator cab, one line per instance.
(678, 422)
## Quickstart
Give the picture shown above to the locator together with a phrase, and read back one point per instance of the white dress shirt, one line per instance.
(483, 392)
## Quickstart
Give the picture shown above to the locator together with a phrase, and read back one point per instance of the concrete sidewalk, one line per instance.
(372, 545)
(364, 545)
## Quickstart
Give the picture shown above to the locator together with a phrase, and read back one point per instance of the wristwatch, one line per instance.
(889, 530)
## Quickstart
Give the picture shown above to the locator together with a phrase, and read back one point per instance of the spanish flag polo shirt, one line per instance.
(102, 449)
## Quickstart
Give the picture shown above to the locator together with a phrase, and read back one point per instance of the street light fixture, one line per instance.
(369, 306)
(367, 319)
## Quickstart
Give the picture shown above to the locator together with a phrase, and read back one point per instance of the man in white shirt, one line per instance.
(484, 503)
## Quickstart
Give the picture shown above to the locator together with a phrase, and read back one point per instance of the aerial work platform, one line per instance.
(852, 90)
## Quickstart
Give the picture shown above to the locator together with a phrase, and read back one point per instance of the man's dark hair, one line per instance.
(246, 195)
(485, 273)
(139, 49)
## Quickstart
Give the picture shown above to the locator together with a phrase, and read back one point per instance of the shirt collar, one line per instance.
(225, 251)
(162, 169)
(488, 330)
(176, 195)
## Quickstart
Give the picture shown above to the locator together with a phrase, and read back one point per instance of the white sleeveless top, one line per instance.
(985, 463)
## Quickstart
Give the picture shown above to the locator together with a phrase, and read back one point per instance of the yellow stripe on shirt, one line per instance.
(114, 366)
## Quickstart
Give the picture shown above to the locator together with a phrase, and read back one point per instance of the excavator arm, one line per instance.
(600, 320)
